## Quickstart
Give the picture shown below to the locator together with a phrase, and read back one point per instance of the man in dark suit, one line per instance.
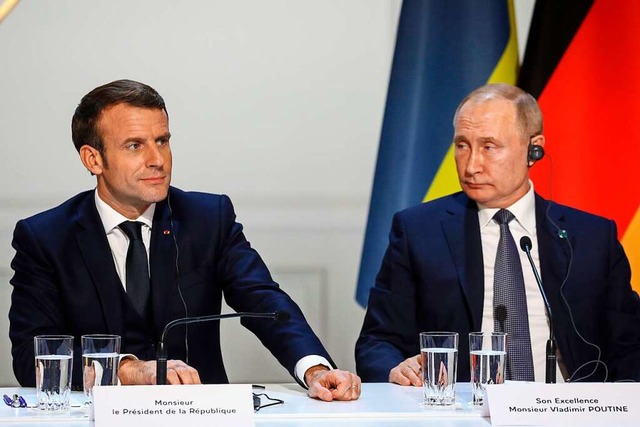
(438, 270)
(72, 271)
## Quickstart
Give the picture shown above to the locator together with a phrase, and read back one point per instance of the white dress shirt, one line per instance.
(524, 224)
(118, 241)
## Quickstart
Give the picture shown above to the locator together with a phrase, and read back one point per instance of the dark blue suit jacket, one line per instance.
(65, 282)
(432, 279)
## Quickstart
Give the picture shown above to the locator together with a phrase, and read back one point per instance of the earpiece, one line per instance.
(536, 152)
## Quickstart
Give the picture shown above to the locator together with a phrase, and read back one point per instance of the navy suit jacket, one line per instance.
(432, 279)
(65, 282)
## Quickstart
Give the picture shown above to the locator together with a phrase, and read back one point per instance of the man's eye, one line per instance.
(133, 146)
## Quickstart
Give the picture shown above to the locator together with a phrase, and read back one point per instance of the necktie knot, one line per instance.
(133, 229)
(503, 216)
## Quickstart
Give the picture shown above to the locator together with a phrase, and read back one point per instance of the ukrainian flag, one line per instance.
(444, 50)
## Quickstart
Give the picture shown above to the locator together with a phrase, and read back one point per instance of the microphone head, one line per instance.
(500, 313)
(525, 243)
(282, 316)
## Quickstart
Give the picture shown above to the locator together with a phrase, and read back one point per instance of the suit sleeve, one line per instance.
(389, 334)
(36, 306)
(248, 286)
(623, 316)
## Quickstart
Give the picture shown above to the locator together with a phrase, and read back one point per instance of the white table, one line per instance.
(380, 405)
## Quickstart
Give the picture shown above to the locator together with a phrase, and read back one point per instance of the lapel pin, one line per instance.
(166, 232)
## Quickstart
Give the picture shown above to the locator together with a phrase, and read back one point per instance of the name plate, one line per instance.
(174, 405)
(576, 404)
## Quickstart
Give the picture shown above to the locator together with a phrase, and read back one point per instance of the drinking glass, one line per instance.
(54, 363)
(100, 359)
(488, 356)
(439, 351)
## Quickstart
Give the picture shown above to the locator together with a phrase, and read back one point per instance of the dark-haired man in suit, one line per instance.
(443, 270)
(135, 253)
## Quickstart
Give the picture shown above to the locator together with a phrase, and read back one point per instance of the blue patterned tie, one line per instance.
(138, 284)
(510, 303)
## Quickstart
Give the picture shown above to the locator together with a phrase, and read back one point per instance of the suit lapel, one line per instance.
(553, 250)
(462, 232)
(96, 253)
(554, 258)
(162, 260)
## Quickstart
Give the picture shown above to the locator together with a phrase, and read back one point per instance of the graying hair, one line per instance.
(528, 114)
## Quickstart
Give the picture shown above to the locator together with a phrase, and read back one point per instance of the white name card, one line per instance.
(174, 405)
(576, 404)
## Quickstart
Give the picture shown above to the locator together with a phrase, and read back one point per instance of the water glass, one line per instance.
(100, 359)
(439, 351)
(488, 353)
(54, 363)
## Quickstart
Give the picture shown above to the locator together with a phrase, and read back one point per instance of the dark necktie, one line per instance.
(138, 284)
(510, 303)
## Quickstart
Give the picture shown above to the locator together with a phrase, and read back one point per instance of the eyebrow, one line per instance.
(482, 140)
(164, 136)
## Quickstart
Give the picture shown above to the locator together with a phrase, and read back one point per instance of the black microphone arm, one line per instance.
(161, 354)
(550, 374)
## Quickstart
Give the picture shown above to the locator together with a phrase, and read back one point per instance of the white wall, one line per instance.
(277, 103)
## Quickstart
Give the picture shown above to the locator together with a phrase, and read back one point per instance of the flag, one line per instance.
(5, 8)
(444, 50)
(582, 62)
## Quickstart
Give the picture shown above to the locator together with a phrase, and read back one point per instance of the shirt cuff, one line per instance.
(126, 356)
(307, 362)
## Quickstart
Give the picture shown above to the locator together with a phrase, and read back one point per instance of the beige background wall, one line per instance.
(277, 103)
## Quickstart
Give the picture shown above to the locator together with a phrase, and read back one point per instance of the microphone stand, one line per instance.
(550, 367)
(161, 354)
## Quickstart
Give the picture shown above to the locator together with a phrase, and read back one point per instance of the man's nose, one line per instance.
(155, 157)
(474, 163)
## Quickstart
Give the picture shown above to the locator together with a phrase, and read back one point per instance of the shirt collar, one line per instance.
(523, 210)
(111, 219)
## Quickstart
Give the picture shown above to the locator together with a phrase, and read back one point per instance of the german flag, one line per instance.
(444, 50)
(582, 62)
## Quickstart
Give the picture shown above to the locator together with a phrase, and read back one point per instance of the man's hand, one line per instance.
(133, 371)
(408, 372)
(334, 384)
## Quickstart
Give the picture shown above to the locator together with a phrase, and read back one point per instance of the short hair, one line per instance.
(84, 124)
(528, 114)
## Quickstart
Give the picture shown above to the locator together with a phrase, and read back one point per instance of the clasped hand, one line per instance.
(408, 372)
(332, 384)
(132, 371)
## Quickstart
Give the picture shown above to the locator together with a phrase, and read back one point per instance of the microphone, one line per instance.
(550, 374)
(161, 354)
(500, 314)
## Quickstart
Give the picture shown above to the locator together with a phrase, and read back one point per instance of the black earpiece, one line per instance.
(536, 152)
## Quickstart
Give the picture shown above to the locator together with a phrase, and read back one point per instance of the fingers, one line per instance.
(353, 391)
(335, 385)
(409, 372)
(179, 372)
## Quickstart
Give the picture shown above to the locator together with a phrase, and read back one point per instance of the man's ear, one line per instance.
(538, 140)
(91, 159)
